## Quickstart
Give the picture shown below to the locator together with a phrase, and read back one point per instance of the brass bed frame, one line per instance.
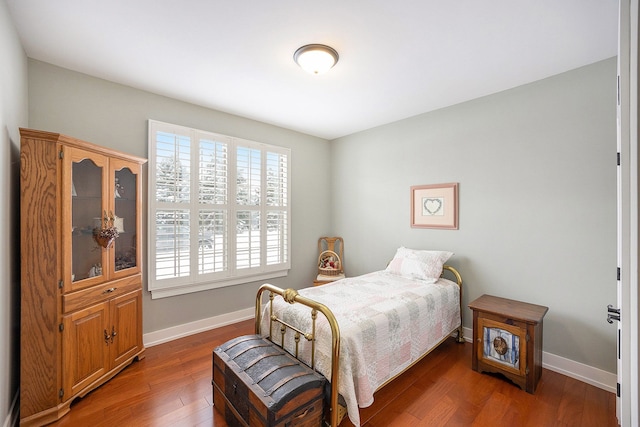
(291, 296)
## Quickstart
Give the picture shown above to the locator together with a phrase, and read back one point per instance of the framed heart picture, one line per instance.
(435, 206)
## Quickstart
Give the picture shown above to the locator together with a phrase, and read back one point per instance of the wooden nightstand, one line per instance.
(507, 339)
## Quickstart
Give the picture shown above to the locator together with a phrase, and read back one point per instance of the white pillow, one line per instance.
(418, 264)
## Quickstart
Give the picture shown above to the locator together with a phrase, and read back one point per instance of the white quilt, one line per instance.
(386, 323)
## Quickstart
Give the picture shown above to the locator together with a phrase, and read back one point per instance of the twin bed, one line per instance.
(371, 328)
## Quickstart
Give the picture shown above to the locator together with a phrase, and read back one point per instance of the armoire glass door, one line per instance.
(87, 214)
(125, 219)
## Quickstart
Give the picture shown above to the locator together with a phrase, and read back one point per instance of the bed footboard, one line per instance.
(291, 296)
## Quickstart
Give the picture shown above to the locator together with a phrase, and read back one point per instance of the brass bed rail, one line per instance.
(460, 337)
(291, 296)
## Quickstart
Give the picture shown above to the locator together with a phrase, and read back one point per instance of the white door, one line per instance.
(622, 229)
(627, 300)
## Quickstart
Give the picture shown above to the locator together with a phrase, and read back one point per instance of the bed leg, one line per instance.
(460, 337)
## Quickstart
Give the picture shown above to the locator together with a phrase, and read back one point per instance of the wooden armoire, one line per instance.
(81, 294)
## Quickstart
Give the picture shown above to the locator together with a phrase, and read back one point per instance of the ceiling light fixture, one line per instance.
(316, 58)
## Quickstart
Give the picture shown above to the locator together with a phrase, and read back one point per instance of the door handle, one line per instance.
(612, 314)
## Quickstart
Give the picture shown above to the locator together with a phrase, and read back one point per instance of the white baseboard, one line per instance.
(175, 332)
(13, 415)
(585, 373)
(579, 371)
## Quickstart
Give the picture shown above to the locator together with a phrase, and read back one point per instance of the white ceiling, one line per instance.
(397, 58)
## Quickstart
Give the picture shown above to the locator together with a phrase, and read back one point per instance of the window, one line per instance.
(219, 210)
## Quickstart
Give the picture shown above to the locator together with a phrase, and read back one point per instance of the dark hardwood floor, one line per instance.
(171, 386)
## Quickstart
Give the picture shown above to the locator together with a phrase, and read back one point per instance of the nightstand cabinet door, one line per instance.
(503, 345)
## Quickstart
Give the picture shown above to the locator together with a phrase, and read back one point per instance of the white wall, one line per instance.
(13, 114)
(116, 116)
(537, 173)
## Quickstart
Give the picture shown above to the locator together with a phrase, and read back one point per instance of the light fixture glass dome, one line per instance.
(316, 58)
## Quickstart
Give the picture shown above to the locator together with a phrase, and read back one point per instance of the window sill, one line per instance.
(183, 289)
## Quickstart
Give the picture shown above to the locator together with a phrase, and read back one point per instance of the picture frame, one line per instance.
(435, 206)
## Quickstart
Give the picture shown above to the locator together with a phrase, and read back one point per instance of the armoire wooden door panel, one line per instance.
(126, 327)
(85, 346)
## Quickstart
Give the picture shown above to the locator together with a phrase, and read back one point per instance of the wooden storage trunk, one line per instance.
(257, 383)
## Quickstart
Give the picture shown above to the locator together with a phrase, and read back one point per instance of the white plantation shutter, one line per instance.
(248, 198)
(248, 239)
(172, 252)
(220, 215)
(213, 190)
(212, 254)
(277, 201)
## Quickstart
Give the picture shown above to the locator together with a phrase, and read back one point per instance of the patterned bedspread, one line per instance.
(386, 323)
